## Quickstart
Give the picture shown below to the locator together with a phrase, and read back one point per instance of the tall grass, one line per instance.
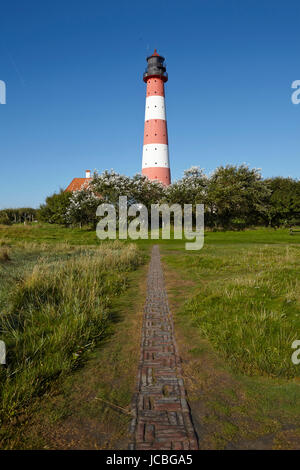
(4, 254)
(57, 312)
(247, 304)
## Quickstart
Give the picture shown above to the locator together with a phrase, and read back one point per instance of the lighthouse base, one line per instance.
(159, 174)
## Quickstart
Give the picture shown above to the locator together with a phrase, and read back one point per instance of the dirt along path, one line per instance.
(161, 415)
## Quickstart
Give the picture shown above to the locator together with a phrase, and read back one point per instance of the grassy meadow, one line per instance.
(247, 297)
(247, 303)
(55, 305)
(236, 306)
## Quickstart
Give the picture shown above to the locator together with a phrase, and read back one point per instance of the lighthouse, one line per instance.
(155, 149)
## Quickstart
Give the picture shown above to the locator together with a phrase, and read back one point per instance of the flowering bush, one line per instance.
(82, 207)
(233, 196)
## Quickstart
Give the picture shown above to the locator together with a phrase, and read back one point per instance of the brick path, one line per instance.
(161, 416)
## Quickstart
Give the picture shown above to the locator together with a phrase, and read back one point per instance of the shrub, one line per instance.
(4, 254)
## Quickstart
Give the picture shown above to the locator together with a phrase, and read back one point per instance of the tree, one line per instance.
(18, 215)
(237, 194)
(55, 208)
(110, 185)
(284, 201)
(191, 189)
(233, 197)
(4, 218)
(145, 191)
(82, 207)
(137, 189)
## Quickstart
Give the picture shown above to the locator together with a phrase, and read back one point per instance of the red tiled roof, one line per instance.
(78, 183)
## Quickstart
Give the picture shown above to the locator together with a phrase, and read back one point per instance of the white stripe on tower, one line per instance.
(155, 150)
(154, 154)
(155, 108)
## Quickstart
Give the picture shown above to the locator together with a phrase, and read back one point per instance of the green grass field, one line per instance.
(57, 286)
(46, 233)
(55, 304)
(246, 303)
(236, 305)
(247, 282)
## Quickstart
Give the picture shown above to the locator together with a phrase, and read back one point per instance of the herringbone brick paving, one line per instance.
(161, 416)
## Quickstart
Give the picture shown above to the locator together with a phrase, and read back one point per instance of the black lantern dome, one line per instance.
(156, 67)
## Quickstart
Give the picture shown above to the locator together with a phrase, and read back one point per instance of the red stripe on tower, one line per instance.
(155, 150)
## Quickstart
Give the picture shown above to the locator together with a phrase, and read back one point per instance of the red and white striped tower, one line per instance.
(155, 150)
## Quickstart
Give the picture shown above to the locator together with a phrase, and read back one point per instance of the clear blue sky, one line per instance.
(75, 95)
